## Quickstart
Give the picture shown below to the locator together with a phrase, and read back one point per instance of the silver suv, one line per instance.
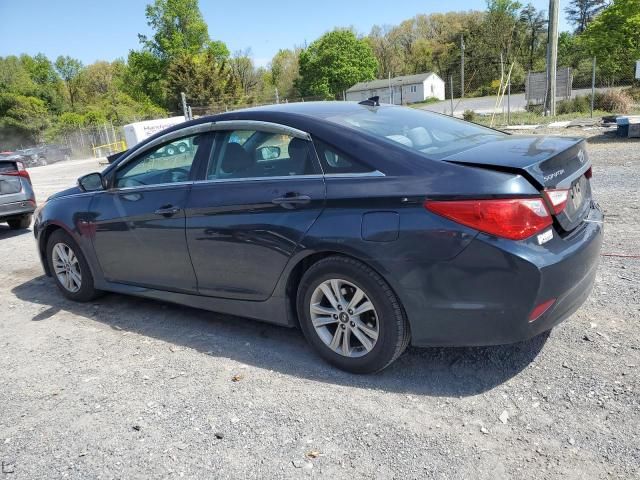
(17, 200)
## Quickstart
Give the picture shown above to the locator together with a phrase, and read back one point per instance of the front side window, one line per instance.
(169, 163)
(257, 154)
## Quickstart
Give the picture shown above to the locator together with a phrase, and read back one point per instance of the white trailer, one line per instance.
(136, 132)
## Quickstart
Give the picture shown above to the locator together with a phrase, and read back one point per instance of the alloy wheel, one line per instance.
(344, 318)
(66, 267)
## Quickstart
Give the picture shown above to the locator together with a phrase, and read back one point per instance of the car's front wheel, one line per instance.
(350, 315)
(69, 268)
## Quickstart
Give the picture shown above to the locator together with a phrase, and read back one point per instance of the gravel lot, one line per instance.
(129, 388)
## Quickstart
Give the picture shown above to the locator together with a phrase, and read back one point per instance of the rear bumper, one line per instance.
(486, 294)
(16, 209)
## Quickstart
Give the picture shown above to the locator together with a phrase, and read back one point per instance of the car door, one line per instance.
(140, 219)
(261, 191)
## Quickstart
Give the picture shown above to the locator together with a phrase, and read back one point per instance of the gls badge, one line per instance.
(545, 237)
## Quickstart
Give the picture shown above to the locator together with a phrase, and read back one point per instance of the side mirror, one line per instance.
(91, 182)
(268, 153)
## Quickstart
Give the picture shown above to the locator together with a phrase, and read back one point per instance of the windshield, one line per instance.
(437, 136)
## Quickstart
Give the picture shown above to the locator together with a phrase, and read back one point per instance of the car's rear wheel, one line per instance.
(21, 223)
(69, 268)
(350, 315)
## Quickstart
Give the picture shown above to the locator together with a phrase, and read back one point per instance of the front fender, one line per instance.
(73, 215)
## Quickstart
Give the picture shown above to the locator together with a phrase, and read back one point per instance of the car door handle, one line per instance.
(167, 210)
(291, 200)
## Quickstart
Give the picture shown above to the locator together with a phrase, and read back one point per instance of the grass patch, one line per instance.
(425, 102)
(531, 118)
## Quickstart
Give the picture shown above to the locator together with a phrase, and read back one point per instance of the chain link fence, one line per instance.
(513, 98)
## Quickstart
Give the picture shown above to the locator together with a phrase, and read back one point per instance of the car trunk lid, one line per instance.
(549, 163)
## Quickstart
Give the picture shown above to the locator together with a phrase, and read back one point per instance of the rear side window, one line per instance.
(334, 161)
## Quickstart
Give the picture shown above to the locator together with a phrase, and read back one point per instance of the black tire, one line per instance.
(393, 328)
(170, 150)
(86, 292)
(21, 223)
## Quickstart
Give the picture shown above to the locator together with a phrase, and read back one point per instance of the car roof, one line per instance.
(313, 109)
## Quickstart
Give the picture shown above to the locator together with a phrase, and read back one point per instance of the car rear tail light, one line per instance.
(20, 172)
(557, 199)
(513, 218)
(537, 312)
(589, 173)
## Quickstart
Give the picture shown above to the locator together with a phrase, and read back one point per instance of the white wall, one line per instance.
(434, 87)
(431, 87)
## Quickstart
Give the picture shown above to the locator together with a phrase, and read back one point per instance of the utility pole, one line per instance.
(593, 85)
(451, 92)
(390, 91)
(185, 111)
(461, 66)
(277, 96)
(552, 60)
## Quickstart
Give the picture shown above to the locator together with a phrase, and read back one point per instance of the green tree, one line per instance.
(614, 38)
(335, 62)
(535, 24)
(203, 78)
(285, 71)
(22, 119)
(244, 72)
(581, 12)
(178, 28)
(46, 84)
(69, 70)
(14, 77)
(144, 77)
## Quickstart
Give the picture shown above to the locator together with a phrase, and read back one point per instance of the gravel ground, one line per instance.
(129, 388)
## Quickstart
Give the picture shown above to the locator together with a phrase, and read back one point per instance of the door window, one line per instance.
(169, 163)
(257, 154)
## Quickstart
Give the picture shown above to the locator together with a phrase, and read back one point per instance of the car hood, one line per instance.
(65, 193)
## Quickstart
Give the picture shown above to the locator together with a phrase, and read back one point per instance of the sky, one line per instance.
(105, 30)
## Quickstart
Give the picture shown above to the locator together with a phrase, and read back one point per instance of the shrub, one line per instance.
(614, 101)
(634, 93)
(579, 104)
(469, 115)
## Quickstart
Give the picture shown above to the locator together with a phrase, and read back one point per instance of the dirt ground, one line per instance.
(129, 388)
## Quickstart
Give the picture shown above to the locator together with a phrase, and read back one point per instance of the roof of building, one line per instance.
(383, 83)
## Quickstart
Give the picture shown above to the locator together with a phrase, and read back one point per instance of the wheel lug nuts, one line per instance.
(335, 316)
(350, 312)
(353, 324)
(343, 326)
(339, 307)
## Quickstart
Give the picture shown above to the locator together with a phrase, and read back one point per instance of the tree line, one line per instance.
(42, 98)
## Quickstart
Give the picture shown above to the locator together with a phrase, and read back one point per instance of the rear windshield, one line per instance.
(7, 167)
(437, 136)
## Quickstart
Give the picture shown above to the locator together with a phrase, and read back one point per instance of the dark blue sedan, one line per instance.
(370, 227)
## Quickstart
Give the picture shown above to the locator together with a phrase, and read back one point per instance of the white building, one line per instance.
(400, 90)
